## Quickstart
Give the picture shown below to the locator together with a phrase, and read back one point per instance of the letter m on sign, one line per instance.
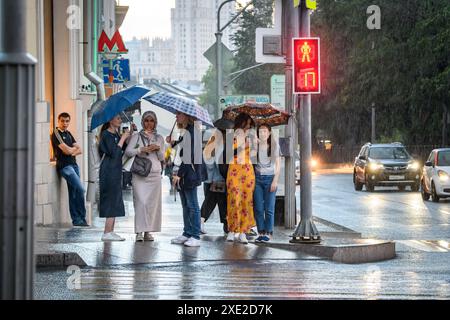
(114, 45)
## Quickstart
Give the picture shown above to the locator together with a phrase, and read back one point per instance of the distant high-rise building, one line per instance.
(151, 60)
(194, 24)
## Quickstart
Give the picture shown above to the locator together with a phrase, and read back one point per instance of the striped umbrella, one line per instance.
(175, 103)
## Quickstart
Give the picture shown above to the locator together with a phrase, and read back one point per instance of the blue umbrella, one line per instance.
(174, 103)
(117, 104)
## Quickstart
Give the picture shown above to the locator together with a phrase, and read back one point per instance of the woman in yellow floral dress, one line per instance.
(240, 185)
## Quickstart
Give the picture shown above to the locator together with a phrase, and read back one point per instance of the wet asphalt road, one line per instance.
(420, 271)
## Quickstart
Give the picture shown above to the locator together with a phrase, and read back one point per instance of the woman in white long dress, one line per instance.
(147, 194)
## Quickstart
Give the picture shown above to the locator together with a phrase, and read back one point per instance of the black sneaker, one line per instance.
(83, 225)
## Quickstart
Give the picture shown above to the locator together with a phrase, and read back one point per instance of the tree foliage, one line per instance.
(254, 81)
(402, 69)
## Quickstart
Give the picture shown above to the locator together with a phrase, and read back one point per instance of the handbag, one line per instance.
(219, 187)
(141, 166)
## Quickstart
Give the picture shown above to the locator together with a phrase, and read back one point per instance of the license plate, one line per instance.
(396, 177)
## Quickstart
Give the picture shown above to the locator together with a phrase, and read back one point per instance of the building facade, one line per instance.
(194, 24)
(151, 59)
(55, 37)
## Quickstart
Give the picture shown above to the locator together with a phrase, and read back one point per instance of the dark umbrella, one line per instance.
(260, 113)
(224, 124)
(117, 104)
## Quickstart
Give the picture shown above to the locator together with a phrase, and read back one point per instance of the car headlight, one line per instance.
(443, 176)
(375, 166)
(414, 166)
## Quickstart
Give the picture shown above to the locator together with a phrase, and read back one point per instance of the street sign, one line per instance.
(306, 57)
(211, 54)
(278, 91)
(111, 48)
(226, 101)
(116, 71)
(268, 40)
(311, 4)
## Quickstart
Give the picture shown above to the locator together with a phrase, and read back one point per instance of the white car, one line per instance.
(436, 175)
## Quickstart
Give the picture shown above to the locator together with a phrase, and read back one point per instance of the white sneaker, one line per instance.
(139, 237)
(192, 242)
(112, 237)
(179, 240)
(230, 237)
(243, 238)
(202, 229)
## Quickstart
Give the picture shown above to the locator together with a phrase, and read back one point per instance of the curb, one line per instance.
(59, 259)
(359, 251)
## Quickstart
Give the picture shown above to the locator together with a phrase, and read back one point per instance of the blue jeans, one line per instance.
(264, 204)
(191, 213)
(76, 193)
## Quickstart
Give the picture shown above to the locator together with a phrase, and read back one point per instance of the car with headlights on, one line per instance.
(435, 181)
(385, 165)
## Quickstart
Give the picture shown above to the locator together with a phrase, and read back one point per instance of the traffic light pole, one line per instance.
(290, 29)
(306, 231)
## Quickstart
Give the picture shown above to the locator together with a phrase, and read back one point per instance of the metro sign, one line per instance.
(114, 46)
(306, 60)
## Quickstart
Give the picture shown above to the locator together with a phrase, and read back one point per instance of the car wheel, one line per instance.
(415, 187)
(425, 194)
(401, 188)
(358, 185)
(369, 186)
(434, 195)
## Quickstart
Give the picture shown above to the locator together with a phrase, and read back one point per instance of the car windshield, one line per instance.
(388, 153)
(444, 159)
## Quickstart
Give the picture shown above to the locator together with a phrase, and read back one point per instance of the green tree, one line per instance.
(254, 81)
(403, 69)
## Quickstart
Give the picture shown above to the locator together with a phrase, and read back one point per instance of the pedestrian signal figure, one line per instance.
(111, 149)
(66, 149)
(147, 191)
(306, 51)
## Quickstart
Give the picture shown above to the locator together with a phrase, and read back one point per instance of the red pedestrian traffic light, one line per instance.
(306, 68)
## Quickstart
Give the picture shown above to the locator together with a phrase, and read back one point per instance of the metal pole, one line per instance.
(373, 123)
(219, 64)
(218, 67)
(306, 231)
(289, 30)
(88, 9)
(17, 143)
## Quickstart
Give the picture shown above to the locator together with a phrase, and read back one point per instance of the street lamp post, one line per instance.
(219, 66)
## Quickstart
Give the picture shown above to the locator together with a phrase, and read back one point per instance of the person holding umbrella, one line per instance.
(187, 177)
(241, 183)
(111, 149)
(187, 174)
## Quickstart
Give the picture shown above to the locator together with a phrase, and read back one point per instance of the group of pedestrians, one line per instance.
(244, 191)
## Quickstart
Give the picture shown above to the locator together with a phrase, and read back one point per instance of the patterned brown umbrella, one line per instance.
(261, 114)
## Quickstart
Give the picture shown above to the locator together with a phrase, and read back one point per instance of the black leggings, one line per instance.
(211, 200)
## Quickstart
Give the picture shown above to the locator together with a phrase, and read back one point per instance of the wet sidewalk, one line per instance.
(61, 247)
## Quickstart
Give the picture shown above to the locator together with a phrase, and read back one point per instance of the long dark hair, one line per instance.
(241, 121)
(269, 142)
